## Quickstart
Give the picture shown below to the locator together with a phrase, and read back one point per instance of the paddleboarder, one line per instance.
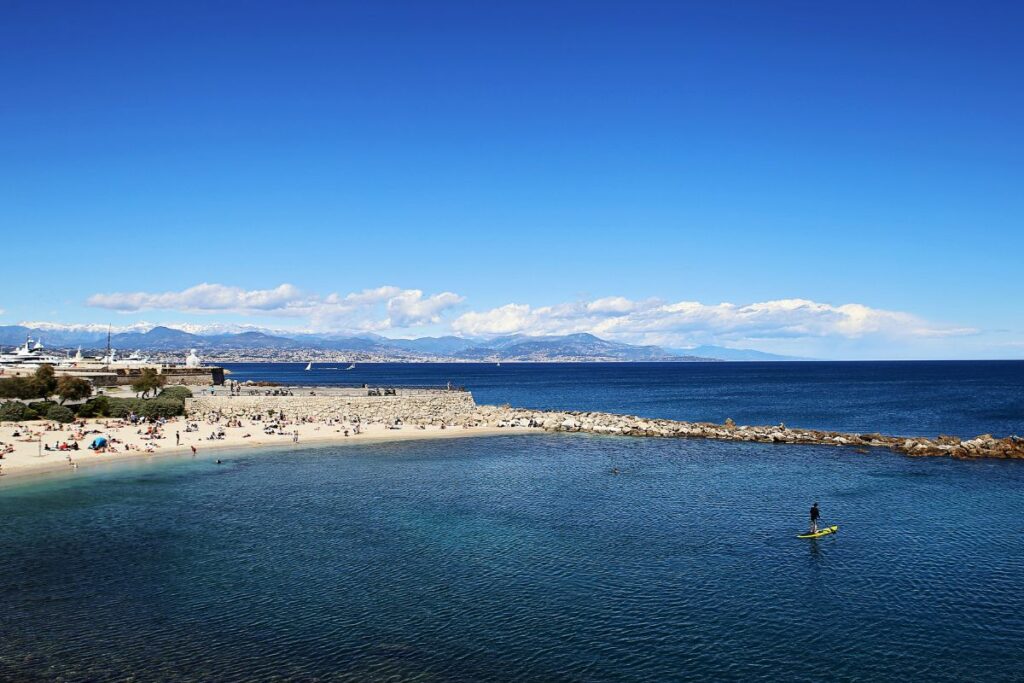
(815, 514)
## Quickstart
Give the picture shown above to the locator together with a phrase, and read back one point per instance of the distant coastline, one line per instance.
(259, 419)
(267, 346)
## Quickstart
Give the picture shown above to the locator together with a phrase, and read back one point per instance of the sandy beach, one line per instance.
(24, 444)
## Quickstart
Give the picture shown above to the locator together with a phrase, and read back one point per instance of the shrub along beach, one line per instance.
(31, 398)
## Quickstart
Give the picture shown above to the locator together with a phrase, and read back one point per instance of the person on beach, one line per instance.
(193, 451)
(815, 514)
(177, 438)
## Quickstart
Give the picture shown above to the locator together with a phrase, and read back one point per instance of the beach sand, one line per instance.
(130, 441)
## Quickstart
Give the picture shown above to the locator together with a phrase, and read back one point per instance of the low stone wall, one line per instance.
(448, 407)
(205, 376)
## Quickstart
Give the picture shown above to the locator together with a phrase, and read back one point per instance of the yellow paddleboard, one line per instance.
(821, 532)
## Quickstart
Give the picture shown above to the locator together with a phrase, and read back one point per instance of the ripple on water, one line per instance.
(518, 558)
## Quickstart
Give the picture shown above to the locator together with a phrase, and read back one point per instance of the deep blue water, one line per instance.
(526, 559)
(518, 559)
(963, 398)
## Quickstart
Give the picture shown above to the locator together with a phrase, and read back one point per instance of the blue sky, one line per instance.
(837, 180)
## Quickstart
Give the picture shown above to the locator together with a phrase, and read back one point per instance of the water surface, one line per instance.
(925, 398)
(517, 558)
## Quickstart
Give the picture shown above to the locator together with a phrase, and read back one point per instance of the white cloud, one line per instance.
(612, 305)
(779, 323)
(203, 298)
(376, 309)
(690, 322)
(367, 297)
(410, 309)
(506, 319)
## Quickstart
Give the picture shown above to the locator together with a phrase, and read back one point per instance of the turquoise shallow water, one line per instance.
(517, 558)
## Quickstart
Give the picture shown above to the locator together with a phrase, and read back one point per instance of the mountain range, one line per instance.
(268, 344)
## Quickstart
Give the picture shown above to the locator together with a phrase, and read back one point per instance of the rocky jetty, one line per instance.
(984, 446)
(457, 409)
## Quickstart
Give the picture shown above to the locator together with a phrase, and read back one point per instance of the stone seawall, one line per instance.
(205, 376)
(428, 408)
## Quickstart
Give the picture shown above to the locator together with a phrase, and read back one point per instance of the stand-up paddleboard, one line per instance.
(821, 532)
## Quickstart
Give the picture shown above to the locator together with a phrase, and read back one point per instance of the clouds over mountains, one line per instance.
(654, 321)
(203, 298)
(382, 308)
(649, 321)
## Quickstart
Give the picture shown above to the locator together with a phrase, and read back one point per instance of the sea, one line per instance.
(960, 398)
(555, 557)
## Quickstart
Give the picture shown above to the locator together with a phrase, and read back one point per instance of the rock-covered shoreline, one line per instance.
(458, 409)
(984, 446)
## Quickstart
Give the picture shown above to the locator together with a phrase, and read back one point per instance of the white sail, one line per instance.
(310, 366)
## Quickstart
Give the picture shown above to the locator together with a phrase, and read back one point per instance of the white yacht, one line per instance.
(30, 353)
(132, 360)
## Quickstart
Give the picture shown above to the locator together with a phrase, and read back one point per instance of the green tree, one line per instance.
(40, 385)
(45, 381)
(18, 387)
(73, 389)
(149, 380)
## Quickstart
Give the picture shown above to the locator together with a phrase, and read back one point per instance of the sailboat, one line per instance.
(310, 366)
(351, 367)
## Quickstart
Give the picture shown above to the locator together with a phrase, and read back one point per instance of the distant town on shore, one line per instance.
(266, 346)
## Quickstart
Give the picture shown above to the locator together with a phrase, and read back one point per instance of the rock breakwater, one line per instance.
(984, 446)
(457, 409)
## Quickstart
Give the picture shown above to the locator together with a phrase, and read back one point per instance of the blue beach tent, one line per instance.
(98, 442)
